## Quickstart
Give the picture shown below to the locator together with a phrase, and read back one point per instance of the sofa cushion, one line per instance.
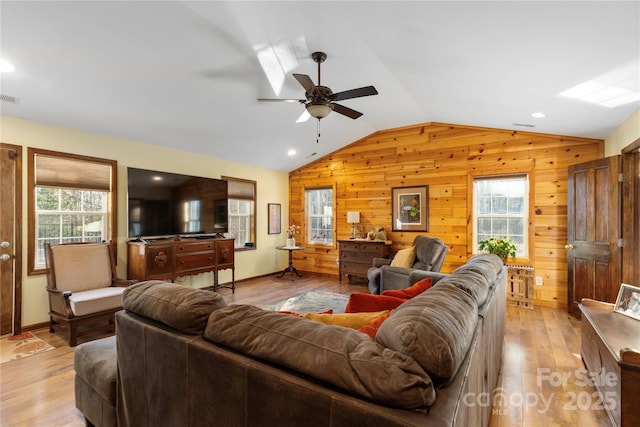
(95, 362)
(182, 308)
(435, 328)
(404, 258)
(342, 357)
(410, 292)
(476, 276)
(361, 302)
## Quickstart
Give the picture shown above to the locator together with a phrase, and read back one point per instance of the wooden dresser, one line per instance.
(611, 348)
(356, 256)
(167, 259)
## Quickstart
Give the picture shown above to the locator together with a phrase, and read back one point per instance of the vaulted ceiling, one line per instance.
(188, 74)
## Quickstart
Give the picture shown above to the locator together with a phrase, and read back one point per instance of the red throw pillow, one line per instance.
(372, 327)
(361, 302)
(412, 291)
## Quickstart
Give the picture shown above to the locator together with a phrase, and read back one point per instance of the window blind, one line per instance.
(67, 172)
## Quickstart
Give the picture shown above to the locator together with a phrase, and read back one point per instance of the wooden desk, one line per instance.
(611, 347)
(290, 269)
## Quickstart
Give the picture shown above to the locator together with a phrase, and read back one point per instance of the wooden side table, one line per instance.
(290, 269)
(611, 349)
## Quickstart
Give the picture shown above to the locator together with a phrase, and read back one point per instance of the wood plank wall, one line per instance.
(447, 158)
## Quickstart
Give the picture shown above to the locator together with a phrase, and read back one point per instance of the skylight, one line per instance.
(613, 89)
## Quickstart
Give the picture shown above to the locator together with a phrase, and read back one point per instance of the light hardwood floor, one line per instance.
(541, 346)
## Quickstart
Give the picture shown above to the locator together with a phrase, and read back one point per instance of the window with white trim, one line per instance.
(319, 211)
(501, 210)
(241, 195)
(73, 201)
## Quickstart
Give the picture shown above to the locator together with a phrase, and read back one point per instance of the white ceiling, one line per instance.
(187, 74)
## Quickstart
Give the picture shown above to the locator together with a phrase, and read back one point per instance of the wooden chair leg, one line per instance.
(73, 334)
(51, 329)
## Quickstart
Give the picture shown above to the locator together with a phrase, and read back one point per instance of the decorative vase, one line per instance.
(291, 242)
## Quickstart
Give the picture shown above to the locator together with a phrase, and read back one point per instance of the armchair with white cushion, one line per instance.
(84, 292)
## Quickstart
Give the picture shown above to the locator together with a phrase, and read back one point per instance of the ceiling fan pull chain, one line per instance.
(318, 138)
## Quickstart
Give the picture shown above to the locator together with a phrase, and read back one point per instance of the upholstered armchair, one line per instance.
(84, 292)
(429, 257)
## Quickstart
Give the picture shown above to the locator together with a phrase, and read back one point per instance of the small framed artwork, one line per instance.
(274, 220)
(628, 302)
(410, 208)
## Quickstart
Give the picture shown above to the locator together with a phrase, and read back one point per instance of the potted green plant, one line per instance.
(499, 246)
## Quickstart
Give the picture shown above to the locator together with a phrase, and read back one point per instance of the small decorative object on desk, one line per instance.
(498, 246)
(291, 235)
(381, 234)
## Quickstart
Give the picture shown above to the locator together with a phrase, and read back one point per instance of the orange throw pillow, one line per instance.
(372, 327)
(361, 302)
(412, 291)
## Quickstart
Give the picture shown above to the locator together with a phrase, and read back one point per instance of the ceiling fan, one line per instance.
(320, 100)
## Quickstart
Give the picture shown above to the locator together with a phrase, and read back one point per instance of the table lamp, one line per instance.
(353, 218)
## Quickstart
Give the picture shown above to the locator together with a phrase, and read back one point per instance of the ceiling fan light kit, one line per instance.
(320, 100)
(319, 111)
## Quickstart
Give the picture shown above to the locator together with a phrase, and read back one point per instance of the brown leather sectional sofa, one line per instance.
(187, 359)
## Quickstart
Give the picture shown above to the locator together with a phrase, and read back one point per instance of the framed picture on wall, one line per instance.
(274, 218)
(628, 302)
(410, 208)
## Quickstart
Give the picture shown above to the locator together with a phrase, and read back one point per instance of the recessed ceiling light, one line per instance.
(6, 66)
(157, 178)
(538, 115)
(291, 152)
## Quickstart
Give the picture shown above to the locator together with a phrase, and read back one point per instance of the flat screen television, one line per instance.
(164, 204)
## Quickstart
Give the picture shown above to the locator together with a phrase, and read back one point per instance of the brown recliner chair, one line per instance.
(84, 292)
(430, 254)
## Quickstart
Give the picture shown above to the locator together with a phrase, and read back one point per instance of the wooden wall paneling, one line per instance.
(444, 156)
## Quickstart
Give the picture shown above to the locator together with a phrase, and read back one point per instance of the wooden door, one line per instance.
(593, 230)
(10, 239)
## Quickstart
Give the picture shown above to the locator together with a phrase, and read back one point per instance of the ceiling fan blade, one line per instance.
(306, 82)
(302, 101)
(354, 93)
(346, 111)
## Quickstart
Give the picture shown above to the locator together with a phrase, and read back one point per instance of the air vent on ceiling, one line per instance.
(9, 98)
(524, 125)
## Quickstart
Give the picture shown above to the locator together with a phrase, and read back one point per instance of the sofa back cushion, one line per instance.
(477, 276)
(184, 309)
(339, 356)
(435, 328)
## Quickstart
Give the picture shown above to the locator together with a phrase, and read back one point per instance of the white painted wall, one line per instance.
(272, 187)
(627, 132)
